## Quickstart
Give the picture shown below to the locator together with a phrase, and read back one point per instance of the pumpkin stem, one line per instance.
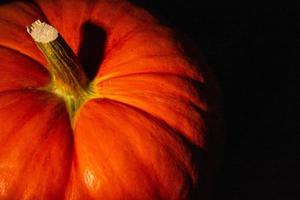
(68, 78)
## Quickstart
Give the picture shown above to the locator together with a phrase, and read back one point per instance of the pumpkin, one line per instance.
(145, 126)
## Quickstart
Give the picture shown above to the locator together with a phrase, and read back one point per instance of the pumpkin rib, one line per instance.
(150, 54)
(49, 129)
(199, 125)
(26, 11)
(176, 134)
(27, 74)
(152, 116)
(122, 6)
(143, 57)
(19, 137)
(199, 104)
(28, 116)
(154, 56)
(22, 54)
(24, 8)
(122, 41)
(9, 22)
(163, 141)
(118, 19)
(14, 17)
(138, 33)
(57, 116)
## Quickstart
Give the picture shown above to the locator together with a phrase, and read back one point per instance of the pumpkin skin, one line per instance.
(154, 132)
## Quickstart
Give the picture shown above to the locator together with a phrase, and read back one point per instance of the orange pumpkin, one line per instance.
(149, 129)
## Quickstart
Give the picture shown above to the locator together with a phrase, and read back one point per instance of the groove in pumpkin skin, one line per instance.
(122, 41)
(127, 38)
(20, 90)
(119, 69)
(200, 111)
(152, 57)
(101, 79)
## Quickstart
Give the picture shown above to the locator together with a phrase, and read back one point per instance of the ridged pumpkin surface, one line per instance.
(156, 109)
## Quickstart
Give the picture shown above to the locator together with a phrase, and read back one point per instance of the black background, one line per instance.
(251, 50)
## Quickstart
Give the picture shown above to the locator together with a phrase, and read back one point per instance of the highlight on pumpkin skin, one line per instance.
(68, 78)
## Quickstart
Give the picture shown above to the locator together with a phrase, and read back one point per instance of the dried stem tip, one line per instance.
(42, 32)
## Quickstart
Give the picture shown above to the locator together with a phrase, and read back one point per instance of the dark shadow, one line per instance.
(11, 1)
(5, 1)
(91, 51)
(155, 9)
